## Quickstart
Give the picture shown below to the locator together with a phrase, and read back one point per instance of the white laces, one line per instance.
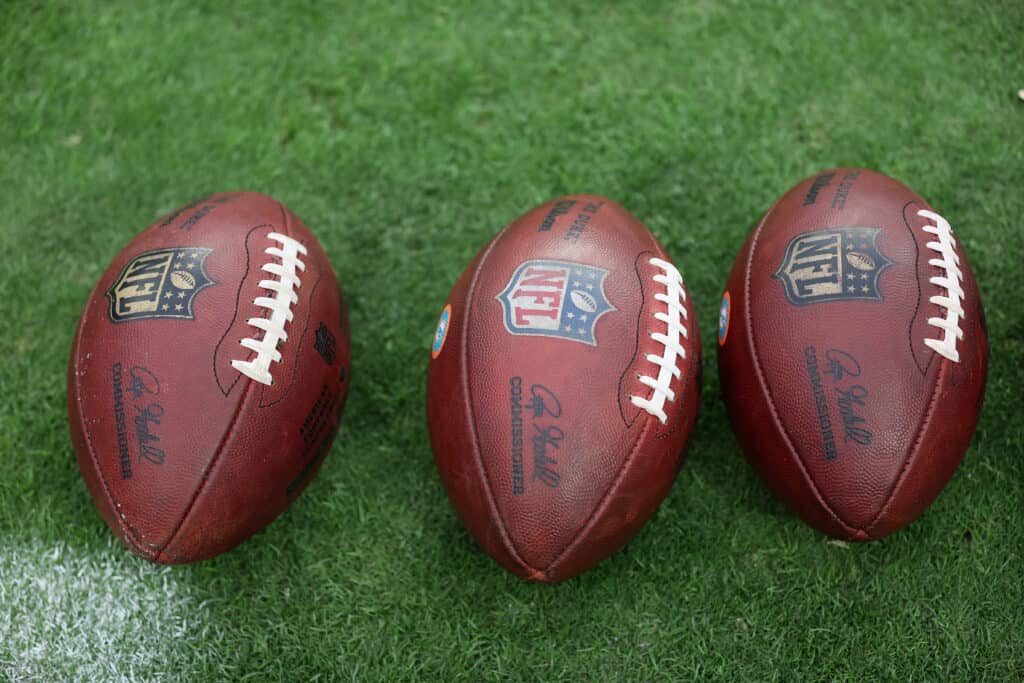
(279, 305)
(951, 279)
(667, 363)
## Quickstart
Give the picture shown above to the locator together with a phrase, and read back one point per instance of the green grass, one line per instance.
(406, 134)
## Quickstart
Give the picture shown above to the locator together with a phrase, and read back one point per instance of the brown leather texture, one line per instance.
(184, 456)
(548, 462)
(841, 407)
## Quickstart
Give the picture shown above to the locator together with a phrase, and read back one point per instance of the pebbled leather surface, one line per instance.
(547, 462)
(852, 372)
(185, 457)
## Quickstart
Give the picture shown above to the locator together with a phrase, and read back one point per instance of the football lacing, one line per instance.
(675, 321)
(951, 280)
(280, 307)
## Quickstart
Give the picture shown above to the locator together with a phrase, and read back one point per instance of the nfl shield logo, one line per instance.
(555, 299)
(159, 284)
(832, 265)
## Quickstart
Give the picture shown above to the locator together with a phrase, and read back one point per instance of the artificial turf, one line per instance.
(405, 134)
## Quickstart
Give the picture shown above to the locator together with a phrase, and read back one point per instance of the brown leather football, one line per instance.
(563, 385)
(208, 376)
(853, 352)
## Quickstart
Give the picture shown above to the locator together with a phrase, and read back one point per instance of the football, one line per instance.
(563, 386)
(208, 376)
(853, 352)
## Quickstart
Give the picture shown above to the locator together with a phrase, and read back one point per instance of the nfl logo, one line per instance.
(555, 299)
(832, 265)
(159, 284)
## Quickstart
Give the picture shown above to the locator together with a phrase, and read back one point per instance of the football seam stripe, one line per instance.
(208, 470)
(467, 388)
(603, 503)
(749, 329)
(912, 456)
(657, 249)
(131, 535)
(212, 463)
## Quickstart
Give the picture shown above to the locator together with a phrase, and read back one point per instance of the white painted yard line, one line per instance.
(70, 615)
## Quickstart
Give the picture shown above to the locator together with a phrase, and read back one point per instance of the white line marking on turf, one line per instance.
(68, 614)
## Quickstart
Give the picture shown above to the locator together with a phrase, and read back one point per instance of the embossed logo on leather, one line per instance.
(832, 265)
(162, 283)
(555, 299)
